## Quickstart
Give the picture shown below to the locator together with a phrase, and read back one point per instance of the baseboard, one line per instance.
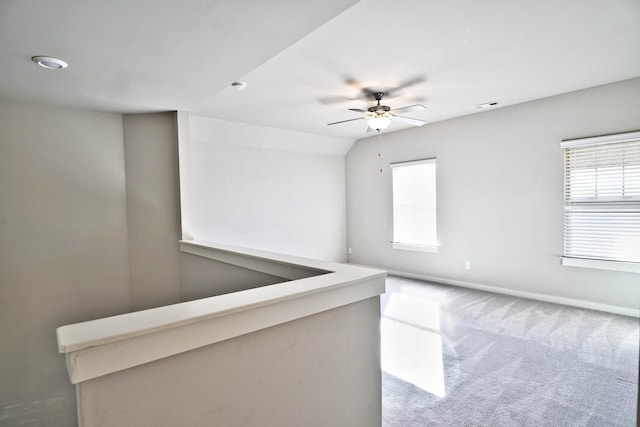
(531, 295)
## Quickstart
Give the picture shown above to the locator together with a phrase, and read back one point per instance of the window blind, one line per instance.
(414, 203)
(602, 197)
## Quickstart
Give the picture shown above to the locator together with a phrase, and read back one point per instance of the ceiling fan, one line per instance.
(379, 116)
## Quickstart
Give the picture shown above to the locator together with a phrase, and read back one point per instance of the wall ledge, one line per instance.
(629, 267)
(103, 346)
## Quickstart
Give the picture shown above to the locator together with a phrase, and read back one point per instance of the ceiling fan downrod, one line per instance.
(379, 109)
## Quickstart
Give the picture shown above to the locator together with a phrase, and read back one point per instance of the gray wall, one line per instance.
(153, 208)
(201, 278)
(298, 373)
(500, 195)
(63, 248)
(89, 227)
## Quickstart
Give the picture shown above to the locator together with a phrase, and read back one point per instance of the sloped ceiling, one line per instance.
(306, 63)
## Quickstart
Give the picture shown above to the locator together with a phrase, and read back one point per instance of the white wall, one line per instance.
(63, 248)
(266, 188)
(500, 195)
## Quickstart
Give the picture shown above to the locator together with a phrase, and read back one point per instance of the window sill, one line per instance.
(416, 248)
(631, 267)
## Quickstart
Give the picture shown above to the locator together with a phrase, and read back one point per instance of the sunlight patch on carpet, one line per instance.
(412, 344)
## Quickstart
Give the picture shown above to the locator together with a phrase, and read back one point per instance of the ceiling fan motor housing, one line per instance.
(379, 109)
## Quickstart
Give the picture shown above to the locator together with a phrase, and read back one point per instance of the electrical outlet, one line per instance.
(467, 265)
(350, 251)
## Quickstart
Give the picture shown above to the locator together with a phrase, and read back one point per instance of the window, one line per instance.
(602, 198)
(414, 205)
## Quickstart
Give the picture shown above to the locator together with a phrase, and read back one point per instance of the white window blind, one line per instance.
(414, 204)
(602, 198)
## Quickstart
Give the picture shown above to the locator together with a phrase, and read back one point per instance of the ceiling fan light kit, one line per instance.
(379, 116)
(378, 122)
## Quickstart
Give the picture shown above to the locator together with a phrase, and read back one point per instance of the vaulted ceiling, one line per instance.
(307, 63)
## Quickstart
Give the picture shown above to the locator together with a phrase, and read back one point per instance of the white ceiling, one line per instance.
(300, 59)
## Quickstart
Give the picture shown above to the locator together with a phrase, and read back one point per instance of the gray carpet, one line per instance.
(496, 360)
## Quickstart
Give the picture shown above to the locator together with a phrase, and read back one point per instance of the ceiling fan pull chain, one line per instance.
(380, 149)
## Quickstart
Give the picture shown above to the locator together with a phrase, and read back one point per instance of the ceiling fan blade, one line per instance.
(409, 109)
(336, 99)
(410, 82)
(369, 93)
(344, 121)
(359, 110)
(394, 91)
(414, 122)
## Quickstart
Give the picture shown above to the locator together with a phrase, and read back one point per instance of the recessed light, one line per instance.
(49, 62)
(239, 85)
(485, 105)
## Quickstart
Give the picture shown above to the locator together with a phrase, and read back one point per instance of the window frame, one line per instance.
(432, 247)
(577, 201)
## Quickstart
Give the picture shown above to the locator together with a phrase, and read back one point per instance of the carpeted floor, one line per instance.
(460, 357)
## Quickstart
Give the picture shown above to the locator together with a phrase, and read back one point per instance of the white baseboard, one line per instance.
(625, 311)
